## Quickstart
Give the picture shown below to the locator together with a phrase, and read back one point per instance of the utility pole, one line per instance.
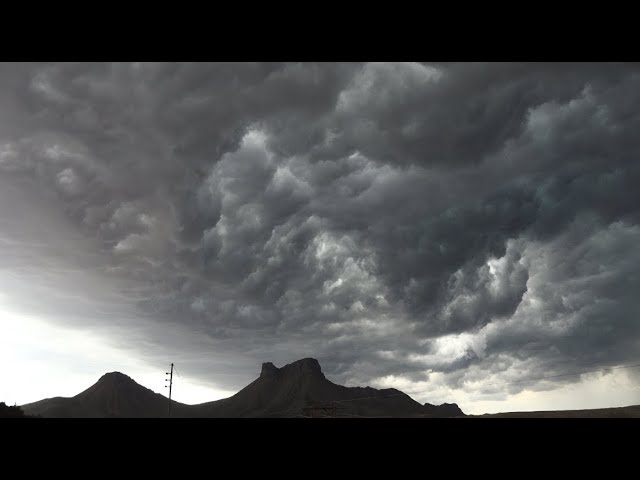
(170, 380)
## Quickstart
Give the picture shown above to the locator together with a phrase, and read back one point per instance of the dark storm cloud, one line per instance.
(388, 219)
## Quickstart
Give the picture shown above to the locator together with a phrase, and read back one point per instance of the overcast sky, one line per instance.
(455, 231)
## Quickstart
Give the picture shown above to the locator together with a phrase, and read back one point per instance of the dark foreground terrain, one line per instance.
(632, 411)
(299, 389)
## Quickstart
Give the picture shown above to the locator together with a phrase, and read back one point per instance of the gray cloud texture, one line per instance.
(472, 220)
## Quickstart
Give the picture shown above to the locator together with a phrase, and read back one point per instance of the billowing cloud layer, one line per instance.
(457, 225)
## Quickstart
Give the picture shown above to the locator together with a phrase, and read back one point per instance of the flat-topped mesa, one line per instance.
(305, 367)
(444, 410)
(269, 370)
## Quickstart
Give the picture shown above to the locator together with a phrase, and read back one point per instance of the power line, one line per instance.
(170, 380)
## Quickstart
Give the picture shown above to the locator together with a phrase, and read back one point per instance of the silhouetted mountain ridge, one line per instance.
(114, 395)
(297, 389)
